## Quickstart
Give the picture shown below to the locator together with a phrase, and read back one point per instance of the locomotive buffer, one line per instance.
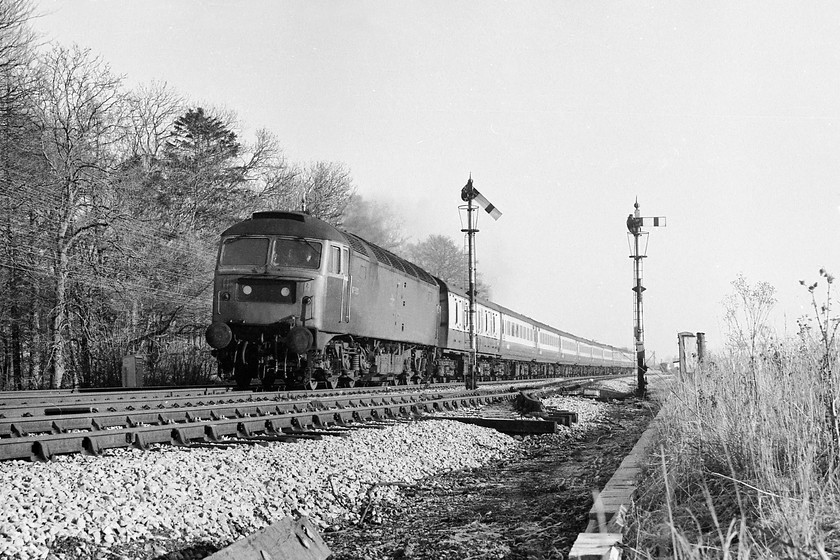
(638, 250)
(469, 194)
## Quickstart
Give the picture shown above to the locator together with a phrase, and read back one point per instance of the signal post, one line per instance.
(469, 194)
(638, 240)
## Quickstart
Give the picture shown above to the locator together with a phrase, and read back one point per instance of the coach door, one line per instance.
(338, 286)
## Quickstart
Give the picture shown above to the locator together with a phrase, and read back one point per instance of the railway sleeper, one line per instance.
(279, 425)
(342, 418)
(138, 441)
(90, 446)
(40, 452)
(18, 431)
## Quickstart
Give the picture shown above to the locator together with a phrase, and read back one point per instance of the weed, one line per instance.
(747, 463)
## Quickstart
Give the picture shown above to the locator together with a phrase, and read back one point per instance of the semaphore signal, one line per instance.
(638, 249)
(469, 194)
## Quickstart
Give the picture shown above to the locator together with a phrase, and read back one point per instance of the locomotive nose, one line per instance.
(218, 335)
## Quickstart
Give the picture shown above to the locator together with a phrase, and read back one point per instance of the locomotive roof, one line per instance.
(295, 224)
(383, 256)
(300, 224)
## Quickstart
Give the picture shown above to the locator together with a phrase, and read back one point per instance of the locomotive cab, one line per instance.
(278, 277)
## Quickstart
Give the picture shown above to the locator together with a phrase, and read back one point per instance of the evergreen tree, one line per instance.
(202, 178)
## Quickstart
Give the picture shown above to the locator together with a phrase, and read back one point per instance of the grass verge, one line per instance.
(747, 461)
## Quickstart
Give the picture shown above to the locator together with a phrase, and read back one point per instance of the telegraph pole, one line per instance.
(638, 251)
(468, 194)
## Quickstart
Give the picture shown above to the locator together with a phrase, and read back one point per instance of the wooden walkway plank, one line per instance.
(607, 517)
(596, 546)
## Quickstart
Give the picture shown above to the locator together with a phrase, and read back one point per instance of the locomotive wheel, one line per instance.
(268, 381)
(242, 376)
(247, 366)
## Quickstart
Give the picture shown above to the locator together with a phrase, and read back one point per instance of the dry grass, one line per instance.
(747, 465)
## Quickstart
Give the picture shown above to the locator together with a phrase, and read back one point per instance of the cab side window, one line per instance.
(335, 260)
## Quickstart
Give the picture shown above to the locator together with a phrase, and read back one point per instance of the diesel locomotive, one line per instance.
(300, 303)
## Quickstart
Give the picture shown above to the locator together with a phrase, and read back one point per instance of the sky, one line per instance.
(723, 117)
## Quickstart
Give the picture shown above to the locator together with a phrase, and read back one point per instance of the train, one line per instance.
(299, 303)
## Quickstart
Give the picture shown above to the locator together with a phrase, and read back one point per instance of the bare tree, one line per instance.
(442, 258)
(151, 109)
(323, 189)
(261, 165)
(77, 110)
(17, 42)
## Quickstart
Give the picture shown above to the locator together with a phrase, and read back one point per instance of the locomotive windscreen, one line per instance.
(297, 253)
(244, 251)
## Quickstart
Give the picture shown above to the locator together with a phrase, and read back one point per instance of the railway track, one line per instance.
(138, 504)
(66, 397)
(38, 427)
(32, 403)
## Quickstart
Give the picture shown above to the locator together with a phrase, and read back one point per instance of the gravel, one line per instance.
(134, 504)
